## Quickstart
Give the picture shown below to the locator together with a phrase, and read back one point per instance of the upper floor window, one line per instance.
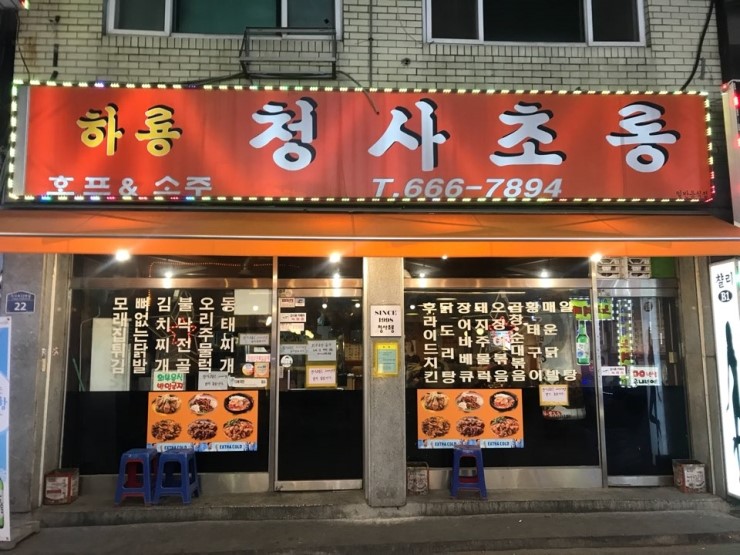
(536, 21)
(224, 17)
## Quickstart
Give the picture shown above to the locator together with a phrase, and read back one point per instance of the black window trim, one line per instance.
(641, 29)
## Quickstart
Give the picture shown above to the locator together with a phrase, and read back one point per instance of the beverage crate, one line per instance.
(689, 476)
(61, 486)
(417, 478)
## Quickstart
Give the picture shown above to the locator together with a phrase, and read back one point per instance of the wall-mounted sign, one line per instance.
(386, 359)
(321, 375)
(385, 320)
(726, 317)
(20, 302)
(79, 144)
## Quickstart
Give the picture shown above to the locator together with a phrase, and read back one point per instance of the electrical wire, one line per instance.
(699, 47)
(212, 80)
(367, 95)
(18, 45)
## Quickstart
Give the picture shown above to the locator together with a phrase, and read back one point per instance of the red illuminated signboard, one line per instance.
(112, 144)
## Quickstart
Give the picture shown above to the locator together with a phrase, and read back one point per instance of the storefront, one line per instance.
(232, 330)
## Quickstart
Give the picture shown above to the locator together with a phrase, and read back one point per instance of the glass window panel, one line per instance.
(106, 415)
(311, 13)
(454, 19)
(615, 20)
(230, 18)
(533, 20)
(480, 341)
(140, 15)
(435, 268)
(103, 266)
(300, 267)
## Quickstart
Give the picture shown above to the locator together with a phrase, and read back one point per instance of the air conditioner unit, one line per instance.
(15, 4)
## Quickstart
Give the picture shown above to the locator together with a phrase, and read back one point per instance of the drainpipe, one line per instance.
(371, 38)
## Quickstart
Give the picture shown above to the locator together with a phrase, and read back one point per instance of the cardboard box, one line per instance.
(689, 476)
(61, 486)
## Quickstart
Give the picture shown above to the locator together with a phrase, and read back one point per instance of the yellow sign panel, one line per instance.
(385, 358)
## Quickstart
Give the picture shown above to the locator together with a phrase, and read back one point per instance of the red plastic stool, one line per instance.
(131, 481)
(478, 480)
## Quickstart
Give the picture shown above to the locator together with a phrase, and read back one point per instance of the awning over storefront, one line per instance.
(236, 233)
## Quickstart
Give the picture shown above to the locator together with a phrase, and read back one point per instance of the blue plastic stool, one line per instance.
(131, 482)
(177, 475)
(477, 481)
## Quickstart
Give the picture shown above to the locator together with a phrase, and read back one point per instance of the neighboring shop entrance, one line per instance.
(320, 395)
(645, 419)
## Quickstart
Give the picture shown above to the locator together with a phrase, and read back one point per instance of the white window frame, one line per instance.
(169, 11)
(588, 22)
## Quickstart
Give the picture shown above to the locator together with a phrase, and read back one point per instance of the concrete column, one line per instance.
(700, 361)
(385, 412)
(38, 355)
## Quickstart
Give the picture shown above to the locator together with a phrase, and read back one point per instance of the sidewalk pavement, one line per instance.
(509, 533)
(558, 521)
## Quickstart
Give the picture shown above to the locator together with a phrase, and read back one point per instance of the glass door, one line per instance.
(320, 395)
(645, 418)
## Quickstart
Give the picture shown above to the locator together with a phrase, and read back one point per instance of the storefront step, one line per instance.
(585, 533)
(99, 510)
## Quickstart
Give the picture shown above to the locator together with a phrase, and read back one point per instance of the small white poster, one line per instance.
(292, 316)
(615, 371)
(254, 339)
(553, 395)
(385, 320)
(293, 327)
(213, 381)
(293, 349)
(644, 375)
(321, 376)
(325, 350)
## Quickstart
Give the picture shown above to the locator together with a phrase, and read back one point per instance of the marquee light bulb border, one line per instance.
(402, 201)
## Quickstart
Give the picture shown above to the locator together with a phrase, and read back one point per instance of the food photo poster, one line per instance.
(213, 421)
(485, 417)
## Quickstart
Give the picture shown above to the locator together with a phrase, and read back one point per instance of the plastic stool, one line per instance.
(177, 475)
(131, 482)
(478, 481)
